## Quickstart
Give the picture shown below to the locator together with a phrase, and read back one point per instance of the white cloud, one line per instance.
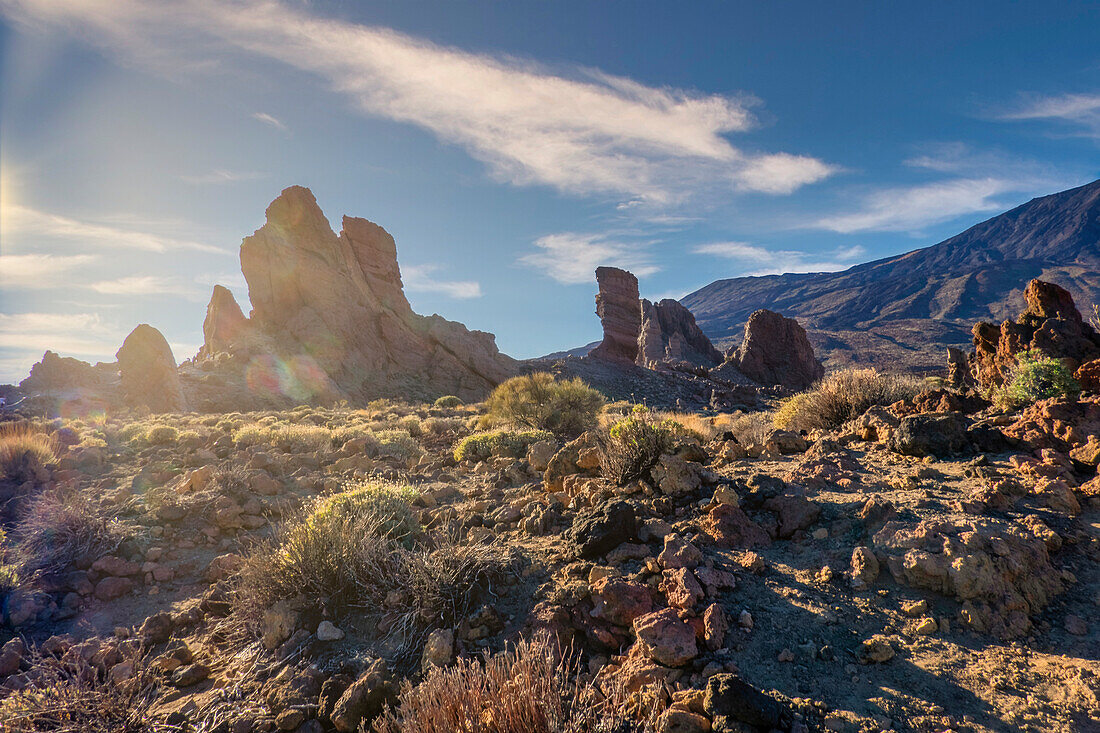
(146, 285)
(1082, 110)
(19, 221)
(418, 278)
(586, 132)
(763, 261)
(69, 334)
(909, 209)
(222, 176)
(271, 120)
(39, 271)
(572, 258)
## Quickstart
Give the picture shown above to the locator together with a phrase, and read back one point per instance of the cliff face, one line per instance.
(331, 308)
(669, 334)
(619, 309)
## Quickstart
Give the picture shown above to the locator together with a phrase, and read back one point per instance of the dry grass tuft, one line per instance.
(76, 697)
(530, 688)
(59, 526)
(843, 396)
(25, 450)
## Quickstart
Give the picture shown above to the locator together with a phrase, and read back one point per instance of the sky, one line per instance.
(511, 147)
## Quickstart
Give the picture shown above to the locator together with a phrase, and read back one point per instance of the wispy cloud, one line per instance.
(147, 285)
(22, 221)
(419, 278)
(572, 258)
(763, 261)
(271, 120)
(39, 271)
(222, 176)
(74, 334)
(1079, 110)
(582, 132)
(911, 208)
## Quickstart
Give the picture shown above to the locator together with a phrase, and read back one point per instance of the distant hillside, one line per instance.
(903, 309)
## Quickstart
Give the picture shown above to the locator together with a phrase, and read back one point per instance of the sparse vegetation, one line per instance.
(842, 396)
(25, 450)
(531, 687)
(541, 402)
(1036, 377)
(161, 435)
(59, 526)
(504, 443)
(448, 402)
(287, 438)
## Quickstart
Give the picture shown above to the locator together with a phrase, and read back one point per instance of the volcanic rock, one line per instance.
(619, 309)
(669, 334)
(225, 324)
(775, 350)
(334, 308)
(148, 372)
(1050, 324)
(56, 373)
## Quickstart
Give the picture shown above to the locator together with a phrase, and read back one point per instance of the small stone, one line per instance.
(926, 627)
(786, 655)
(1076, 625)
(438, 649)
(290, 719)
(745, 620)
(913, 609)
(876, 650)
(820, 533)
(327, 631)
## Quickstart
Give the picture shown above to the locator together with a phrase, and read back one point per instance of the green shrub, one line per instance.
(396, 444)
(161, 435)
(843, 396)
(448, 401)
(505, 443)
(539, 401)
(1035, 377)
(386, 505)
(632, 446)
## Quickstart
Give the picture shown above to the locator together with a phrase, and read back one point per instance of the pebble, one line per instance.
(327, 631)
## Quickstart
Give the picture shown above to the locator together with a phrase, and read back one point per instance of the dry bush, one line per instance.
(355, 549)
(530, 688)
(59, 526)
(283, 437)
(395, 444)
(843, 396)
(442, 425)
(449, 401)
(75, 697)
(161, 435)
(632, 446)
(25, 451)
(540, 402)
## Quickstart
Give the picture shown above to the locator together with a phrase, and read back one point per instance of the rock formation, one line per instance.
(225, 324)
(62, 373)
(669, 334)
(775, 350)
(148, 372)
(1050, 324)
(619, 309)
(331, 311)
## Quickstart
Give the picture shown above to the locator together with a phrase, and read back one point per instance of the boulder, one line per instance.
(619, 309)
(604, 528)
(148, 372)
(669, 334)
(776, 351)
(728, 696)
(665, 638)
(362, 702)
(940, 434)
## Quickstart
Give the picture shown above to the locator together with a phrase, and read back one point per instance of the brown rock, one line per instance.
(864, 568)
(669, 334)
(728, 526)
(1088, 376)
(715, 626)
(619, 601)
(148, 372)
(619, 309)
(665, 638)
(363, 700)
(111, 588)
(775, 350)
(225, 324)
(681, 588)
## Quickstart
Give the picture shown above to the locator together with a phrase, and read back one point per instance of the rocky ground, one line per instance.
(914, 569)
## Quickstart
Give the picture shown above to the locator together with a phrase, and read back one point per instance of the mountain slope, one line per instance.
(903, 309)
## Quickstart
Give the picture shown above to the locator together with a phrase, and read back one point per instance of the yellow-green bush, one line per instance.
(448, 401)
(161, 435)
(1035, 377)
(505, 443)
(386, 504)
(632, 446)
(541, 402)
(284, 437)
(396, 444)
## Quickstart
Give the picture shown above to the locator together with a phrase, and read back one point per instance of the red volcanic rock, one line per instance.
(775, 350)
(728, 526)
(665, 638)
(148, 372)
(669, 334)
(1050, 324)
(619, 309)
(619, 601)
(336, 302)
(1088, 376)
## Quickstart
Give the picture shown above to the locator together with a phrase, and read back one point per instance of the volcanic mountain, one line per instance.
(902, 310)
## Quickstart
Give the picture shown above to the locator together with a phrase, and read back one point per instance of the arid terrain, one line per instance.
(341, 515)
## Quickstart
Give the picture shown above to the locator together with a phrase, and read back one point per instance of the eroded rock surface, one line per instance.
(775, 350)
(147, 369)
(619, 309)
(669, 334)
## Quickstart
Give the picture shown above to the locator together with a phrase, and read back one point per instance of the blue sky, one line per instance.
(511, 147)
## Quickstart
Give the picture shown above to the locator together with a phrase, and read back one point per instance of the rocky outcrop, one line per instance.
(619, 309)
(148, 372)
(669, 334)
(1050, 324)
(63, 373)
(225, 323)
(775, 351)
(332, 312)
